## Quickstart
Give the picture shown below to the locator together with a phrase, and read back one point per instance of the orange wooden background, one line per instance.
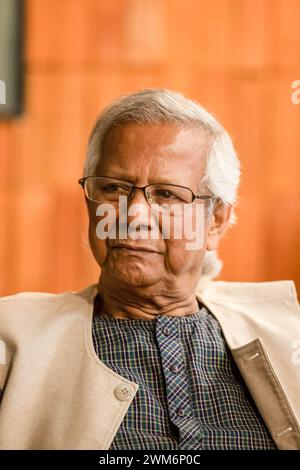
(236, 57)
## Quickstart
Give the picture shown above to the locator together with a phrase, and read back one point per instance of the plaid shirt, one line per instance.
(191, 394)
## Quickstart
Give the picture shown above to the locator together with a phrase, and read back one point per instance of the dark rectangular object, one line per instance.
(11, 63)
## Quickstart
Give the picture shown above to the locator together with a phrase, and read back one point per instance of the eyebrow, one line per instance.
(121, 176)
(130, 179)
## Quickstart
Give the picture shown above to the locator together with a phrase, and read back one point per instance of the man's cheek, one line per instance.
(177, 258)
(98, 247)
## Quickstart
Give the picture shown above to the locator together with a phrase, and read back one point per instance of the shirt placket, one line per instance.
(176, 382)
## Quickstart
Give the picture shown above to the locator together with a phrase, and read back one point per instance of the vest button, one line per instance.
(123, 392)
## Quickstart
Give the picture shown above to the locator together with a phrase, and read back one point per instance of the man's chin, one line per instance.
(131, 274)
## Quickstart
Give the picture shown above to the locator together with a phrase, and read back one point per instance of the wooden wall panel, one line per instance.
(236, 57)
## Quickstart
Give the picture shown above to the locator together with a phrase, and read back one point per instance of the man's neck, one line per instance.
(124, 303)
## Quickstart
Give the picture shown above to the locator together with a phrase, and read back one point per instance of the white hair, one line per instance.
(157, 105)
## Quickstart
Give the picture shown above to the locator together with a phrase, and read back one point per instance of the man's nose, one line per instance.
(138, 196)
(138, 206)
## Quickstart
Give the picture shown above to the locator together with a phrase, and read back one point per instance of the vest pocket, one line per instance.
(268, 394)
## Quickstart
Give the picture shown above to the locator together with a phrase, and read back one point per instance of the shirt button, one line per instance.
(173, 368)
(166, 331)
(180, 412)
(123, 392)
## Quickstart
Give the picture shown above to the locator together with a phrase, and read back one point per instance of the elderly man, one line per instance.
(156, 355)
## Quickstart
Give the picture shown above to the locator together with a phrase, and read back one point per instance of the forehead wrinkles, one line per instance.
(168, 138)
(138, 137)
(171, 149)
(187, 139)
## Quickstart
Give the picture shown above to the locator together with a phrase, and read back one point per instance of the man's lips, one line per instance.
(127, 246)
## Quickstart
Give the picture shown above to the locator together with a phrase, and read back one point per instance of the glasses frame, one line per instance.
(204, 197)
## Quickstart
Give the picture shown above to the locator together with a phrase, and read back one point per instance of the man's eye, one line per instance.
(165, 193)
(113, 188)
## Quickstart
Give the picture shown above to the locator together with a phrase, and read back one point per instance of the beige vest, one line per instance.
(59, 395)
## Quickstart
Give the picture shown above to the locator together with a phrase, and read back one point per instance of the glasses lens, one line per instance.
(168, 195)
(100, 189)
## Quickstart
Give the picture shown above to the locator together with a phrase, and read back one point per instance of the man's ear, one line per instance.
(218, 224)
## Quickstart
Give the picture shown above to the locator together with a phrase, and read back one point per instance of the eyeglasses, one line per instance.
(104, 189)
